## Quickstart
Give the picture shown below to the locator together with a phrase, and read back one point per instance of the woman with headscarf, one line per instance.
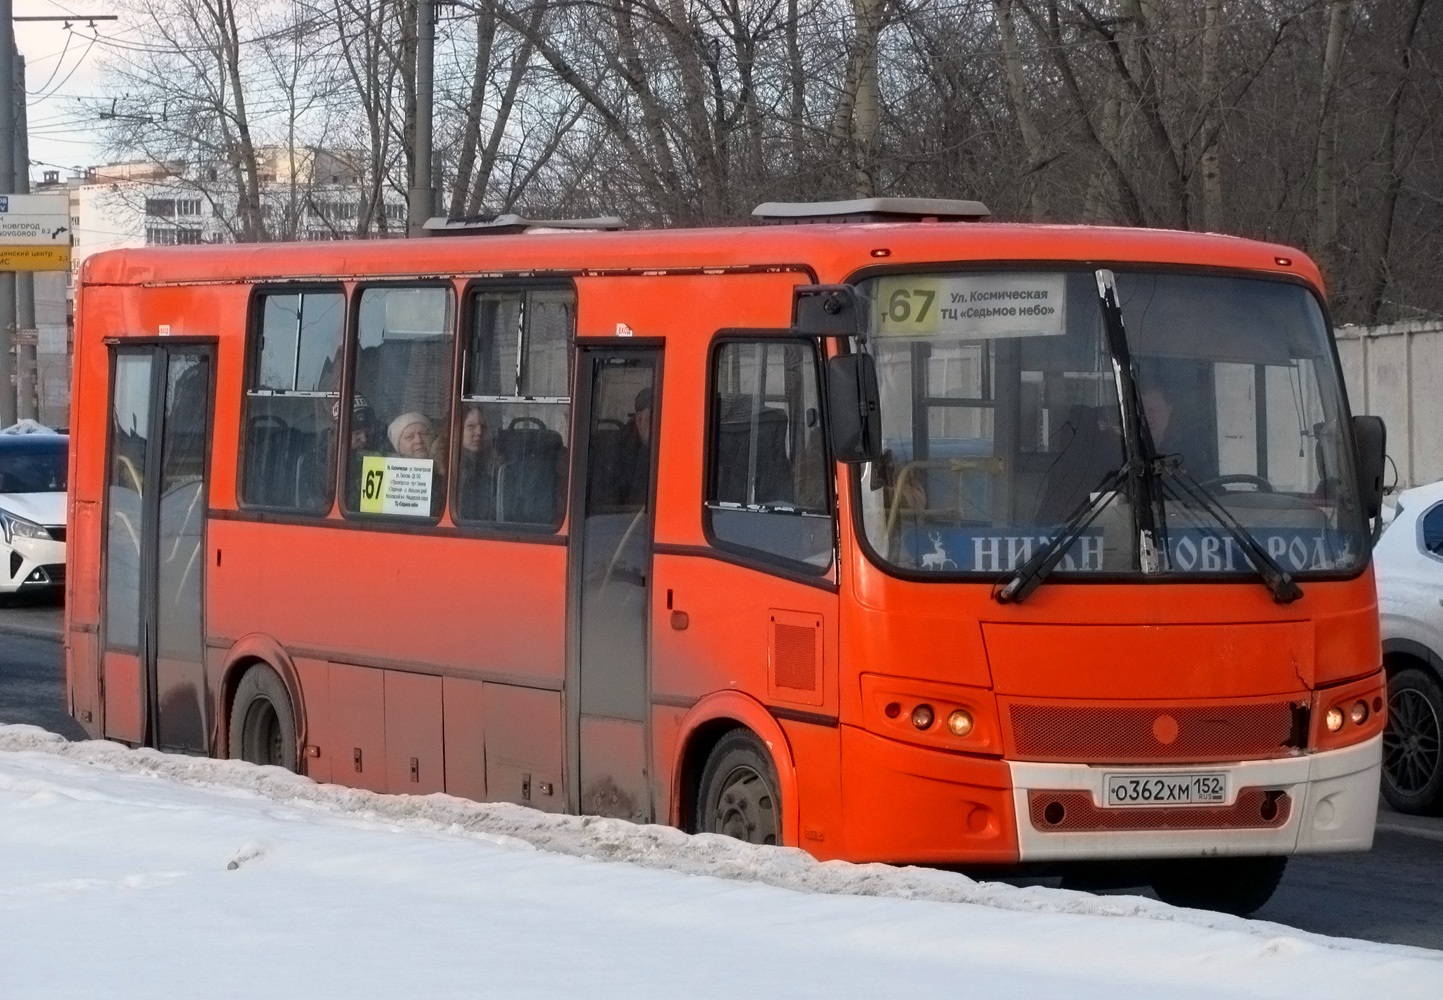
(412, 436)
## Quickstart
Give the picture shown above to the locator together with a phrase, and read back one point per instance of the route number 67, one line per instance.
(908, 305)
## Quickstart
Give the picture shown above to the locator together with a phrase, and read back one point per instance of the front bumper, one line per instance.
(31, 564)
(1331, 805)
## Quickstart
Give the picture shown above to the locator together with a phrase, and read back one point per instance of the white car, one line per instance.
(33, 470)
(1409, 566)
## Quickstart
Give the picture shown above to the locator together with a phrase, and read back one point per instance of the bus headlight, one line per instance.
(1359, 714)
(922, 716)
(960, 722)
(1334, 719)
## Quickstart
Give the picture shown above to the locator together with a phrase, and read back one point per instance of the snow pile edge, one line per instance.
(649, 846)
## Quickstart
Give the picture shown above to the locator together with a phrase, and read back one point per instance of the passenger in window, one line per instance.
(364, 435)
(1158, 410)
(478, 466)
(1173, 434)
(412, 436)
(633, 467)
(365, 440)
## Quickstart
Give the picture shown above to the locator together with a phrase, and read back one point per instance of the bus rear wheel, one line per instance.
(738, 792)
(1239, 886)
(262, 725)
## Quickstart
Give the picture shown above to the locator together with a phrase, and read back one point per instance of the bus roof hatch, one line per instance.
(505, 225)
(782, 213)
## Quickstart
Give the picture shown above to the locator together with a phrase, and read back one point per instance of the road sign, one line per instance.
(35, 232)
(34, 258)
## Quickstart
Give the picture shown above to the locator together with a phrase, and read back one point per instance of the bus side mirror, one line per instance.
(825, 311)
(854, 409)
(1371, 438)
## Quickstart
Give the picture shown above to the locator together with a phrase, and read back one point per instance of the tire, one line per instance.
(1239, 886)
(738, 796)
(1413, 743)
(262, 724)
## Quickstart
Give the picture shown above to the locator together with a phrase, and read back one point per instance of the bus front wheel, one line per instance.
(1238, 886)
(738, 792)
(262, 725)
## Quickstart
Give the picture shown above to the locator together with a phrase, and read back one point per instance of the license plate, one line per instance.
(1209, 788)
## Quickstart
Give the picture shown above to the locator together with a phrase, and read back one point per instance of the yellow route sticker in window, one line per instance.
(396, 485)
(908, 305)
(373, 483)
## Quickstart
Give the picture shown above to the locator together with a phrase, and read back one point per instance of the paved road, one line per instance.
(1393, 894)
(32, 667)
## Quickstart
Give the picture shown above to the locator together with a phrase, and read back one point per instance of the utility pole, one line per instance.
(18, 365)
(422, 200)
(26, 363)
(7, 186)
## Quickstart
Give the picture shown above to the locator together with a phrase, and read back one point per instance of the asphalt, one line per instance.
(1393, 893)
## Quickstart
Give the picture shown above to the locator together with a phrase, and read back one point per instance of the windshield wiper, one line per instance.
(1029, 576)
(1278, 580)
(1137, 440)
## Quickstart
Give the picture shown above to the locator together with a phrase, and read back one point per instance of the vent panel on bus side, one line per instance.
(795, 656)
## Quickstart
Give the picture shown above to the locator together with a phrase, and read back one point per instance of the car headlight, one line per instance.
(16, 526)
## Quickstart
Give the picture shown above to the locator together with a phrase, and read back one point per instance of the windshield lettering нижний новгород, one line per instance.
(1000, 416)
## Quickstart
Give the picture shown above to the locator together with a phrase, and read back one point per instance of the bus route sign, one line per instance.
(396, 486)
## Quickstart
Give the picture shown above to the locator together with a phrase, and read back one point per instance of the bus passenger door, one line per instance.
(154, 673)
(610, 583)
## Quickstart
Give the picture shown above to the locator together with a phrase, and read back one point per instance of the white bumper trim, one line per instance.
(1334, 796)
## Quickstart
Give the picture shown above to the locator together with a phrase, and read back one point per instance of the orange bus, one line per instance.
(901, 536)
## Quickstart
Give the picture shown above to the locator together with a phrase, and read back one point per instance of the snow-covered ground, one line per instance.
(136, 874)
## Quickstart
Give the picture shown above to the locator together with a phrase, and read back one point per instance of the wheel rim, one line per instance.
(1411, 744)
(262, 742)
(746, 808)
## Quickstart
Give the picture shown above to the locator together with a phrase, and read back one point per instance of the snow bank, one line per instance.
(454, 854)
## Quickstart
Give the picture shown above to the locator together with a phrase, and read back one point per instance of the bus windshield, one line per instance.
(1000, 421)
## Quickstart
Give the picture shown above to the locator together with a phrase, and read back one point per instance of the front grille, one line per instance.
(1075, 812)
(1141, 735)
(57, 532)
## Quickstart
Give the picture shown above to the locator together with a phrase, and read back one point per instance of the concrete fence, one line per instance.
(1396, 372)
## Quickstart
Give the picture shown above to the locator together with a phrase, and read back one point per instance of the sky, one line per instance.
(63, 67)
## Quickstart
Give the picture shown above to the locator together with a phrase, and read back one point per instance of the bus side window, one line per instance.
(292, 402)
(515, 415)
(401, 401)
(768, 491)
